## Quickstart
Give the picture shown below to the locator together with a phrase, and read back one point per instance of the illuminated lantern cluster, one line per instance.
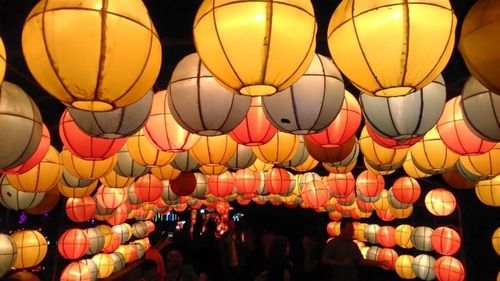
(31, 248)
(73, 243)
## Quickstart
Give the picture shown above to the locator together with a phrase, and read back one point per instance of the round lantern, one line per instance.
(421, 238)
(184, 184)
(12, 198)
(423, 266)
(369, 184)
(126, 166)
(266, 64)
(391, 143)
(92, 267)
(440, 202)
(488, 191)
(105, 265)
(91, 72)
(124, 231)
(309, 164)
(381, 169)
(412, 170)
(445, 241)
(146, 154)
(389, 256)
(386, 236)
(118, 261)
(495, 241)
(395, 203)
(341, 185)
(214, 150)
(184, 161)
(109, 197)
(86, 169)
(76, 271)
(403, 267)
(382, 203)
(112, 179)
(255, 129)
(139, 229)
(477, 45)
(80, 209)
(483, 165)
(96, 239)
(120, 215)
(449, 269)
(301, 155)
(73, 244)
(221, 185)
(402, 236)
(85, 146)
(405, 117)
(320, 94)
(385, 158)
(406, 190)
(107, 233)
(48, 203)
(455, 179)
(371, 233)
(333, 229)
(242, 158)
(247, 181)
(340, 168)
(261, 166)
(199, 103)
(201, 188)
(278, 181)
(8, 253)
(480, 110)
(213, 169)
(31, 248)
(148, 188)
(128, 251)
(341, 155)
(166, 172)
(281, 148)
(22, 122)
(455, 133)
(372, 253)
(371, 55)
(78, 191)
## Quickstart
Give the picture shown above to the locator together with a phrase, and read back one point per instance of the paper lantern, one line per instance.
(389, 256)
(366, 43)
(221, 185)
(445, 241)
(22, 122)
(381, 169)
(105, 265)
(261, 166)
(110, 197)
(118, 260)
(495, 241)
(386, 215)
(406, 190)
(382, 203)
(117, 123)
(455, 179)
(73, 244)
(91, 72)
(76, 271)
(242, 158)
(80, 209)
(403, 267)
(12, 198)
(129, 252)
(278, 181)
(455, 133)
(440, 202)
(412, 170)
(126, 166)
(386, 158)
(320, 94)
(395, 203)
(3, 60)
(199, 103)
(146, 154)
(214, 150)
(266, 64)
(166, 172)
(449, 269)
(96, 239)
(423, 266)
(421, 238)
(184, 184)
(213, 169)
(247, 181)
(281, 148)
(480, 110)
(124, 231)
(68, 180)
(441, 158)
(340, 168)
(300, 156)
(309, 164)
(333, 229)
(148, 188)
(372, 253)
(391, 143)
(483, 164)
(119, 215)
(107, 233)
(408, 116)
(402, 236)
(341, 185)
(386, 236)
(371, 233)
(369, 184)
(31, 248)
(86, 169)
(102, 213)
(92, 267)
(77, 192)
(478, 47)
(48, 203)
(8, 253)
(201, 188)
(184, 161)
(113, 180)
(488, 191)
(139, 229)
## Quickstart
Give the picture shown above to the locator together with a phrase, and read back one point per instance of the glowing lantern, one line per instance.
(386, 236)
(221, 185)
(380, 169)
(112, 179)
(148, 188)
(166, 172)
(373, 252)
(440, 202)
(22, 122)
(118, 261)
(119, 216)
(495, 241)
(168, 195)
(333, 228)
(391, 143)
(406, 190)
(386, 158)
(105, 265)
(382, 203)
(139, 229)
(77, 192)
(388, 255)
(300, 156)
(201, 188)
(12, 198)
(76, 271)
(421, 238)
(242, 158)
(199, 103)
(68, 180)
(281, 148)
(92, 267)
(87, 73)
(247, 181)
(371, 233)
(126, 166)
(309, 164)
(146, 154)
(338, 168)
(488, 191)
(386, 215)
(184, 161)
(455, 133)
(441, 158)
(320, 94)
(395, 203)
(423, 266)
(124, 231)
(184, 184)
(403, 267)
(8, 253)
(213, 169)
(369, 184)
(86, 169)
(408, 116)
(31, 248)
(278, 181)
(402, 236)
(445, 241)
(261, 166)
(96, 239)
(483, 164)
(73, 244)
(412, 170)
(214, 150)
(449, 269)
(480, 110)
(110, 197)
(80, 209)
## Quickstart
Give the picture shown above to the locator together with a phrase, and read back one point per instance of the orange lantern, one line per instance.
(166, 172)
(114, 244)
(341, 185)
(163, 131)
(184, 184)
(445, 241)
(73, 244)
(386, 236)
(333, 228)
(278, 181)
(488, 191)
(441, 158)
(315, 194)
(247, 181)
(124, 231)
(388, 255)
(77, 271)
(148, 188)
(214, 150)
(221, 185)
(109, 197)
(386, 215)
(402, 236)
(145, 153)
(449, 269)
(385, 158)
(261, 166)
(406, 190)
(281, 148)
(12, 198)
(309, 164)
(119, 215)
(114, 180)
(440, 202)
(369, 184)
(86, 169)
(412, 170)
(79, 191)
(213, 169)
(80, 209)
(484, 164)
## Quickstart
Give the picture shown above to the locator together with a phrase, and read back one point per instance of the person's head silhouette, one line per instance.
(346, 229)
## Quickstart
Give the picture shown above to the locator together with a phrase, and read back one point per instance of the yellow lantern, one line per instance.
(403, 267)
(488, 191)
(105, 265)
(77, 192)
(383, 157)
(412, 170)
(213, 170)
(31, 248)
(359, 231)
(145, 153)
(403, 236)
(261, 166)
(86, 169)
(42, 177)
(383, 46)
(3, 60)
(402, 213)
(308, 165)
(431, 155)
(486, 164)
(106, 56)
(256, 48)
(166, 172)
(332, 168)
(383, 202)
(112, 179)
(216, 150)
(281, 148)
(495, 240)
(107, 233)
(376, 169)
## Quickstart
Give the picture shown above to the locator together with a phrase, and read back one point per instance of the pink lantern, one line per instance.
(247, 181)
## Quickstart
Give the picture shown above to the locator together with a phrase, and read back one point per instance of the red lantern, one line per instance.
(315, 194)
(73, 243)
(85, 146)
(445, 241)
(386, 215)
(247, 181)
(148, 188)
(77, 271)
(348, 200)
(449, 269)
(392, 143)
(342, 128)
(277, 181)
(455, 133)
(363, 206)
(109, 197)
(330, 154)
(370, 184)
(440, 202)
(184, 184)
(341, 185)
(221, 185)
(119, 216)
(80, 209)
(388, 255)
(386, 236)
(255, 129)
(406, 190)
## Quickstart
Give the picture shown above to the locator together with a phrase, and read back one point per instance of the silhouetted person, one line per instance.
(231, 253)
(177, 270)
(149, 270)
(278, 267)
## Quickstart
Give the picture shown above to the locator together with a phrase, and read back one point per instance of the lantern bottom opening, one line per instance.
(92, 105)
(258, 90)
(394, 91)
